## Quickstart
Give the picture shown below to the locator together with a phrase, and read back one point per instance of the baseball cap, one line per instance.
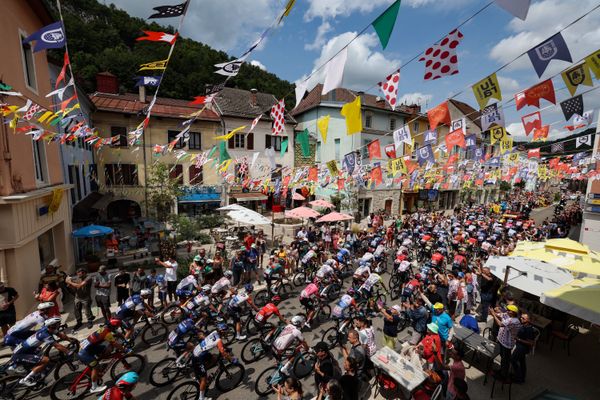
(513, 308)
(433, 327)
(438, 306)
(197, 258)
(397, 308)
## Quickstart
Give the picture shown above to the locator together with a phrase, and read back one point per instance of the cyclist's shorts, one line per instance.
(198, 364)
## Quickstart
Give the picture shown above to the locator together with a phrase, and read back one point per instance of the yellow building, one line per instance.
(122, 169)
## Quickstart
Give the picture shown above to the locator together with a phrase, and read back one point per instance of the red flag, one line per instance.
(65, 103)
(159, 37)
(374, 149)
(313, 174)
(63, 71)
(542, 133)
(410, 166)
(533, 153)
(452, 159)
(554, 162)
(376, 175)
(455, 138)
(390, 151)
(340, 183)
(439, 114)
(532, 96)
(531, 121)
(202, 99)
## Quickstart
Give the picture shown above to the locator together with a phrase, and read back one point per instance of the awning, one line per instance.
(242, 197)
(200, 198)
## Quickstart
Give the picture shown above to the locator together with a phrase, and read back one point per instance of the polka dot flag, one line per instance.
(390, 88)
(278, 115)
(441, 59)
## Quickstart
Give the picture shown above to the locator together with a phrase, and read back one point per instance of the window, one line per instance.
(46, 248)
(338, 148)
(39, 160)
(121, 132)
(392, 124)
(275, 142)
(416, 127)
(28, 64)
(364, 150)
(171, 136)
(241, 141)
(318, 152)
(196, 176)
(176, 173)
(195, 142)
(368, 120)
(74, 180)
(121, 174)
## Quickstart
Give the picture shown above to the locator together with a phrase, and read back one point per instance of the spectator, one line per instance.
(356, 351)
(122, 280)
(524, 343)
(52, 274)
(470, 322)
(366, 335)
(102, 285)
(432, 295)
(8, 313)
(291, 390)
(197, 265)
(217, 264)
(333, 391)
(324, 367)
(49, 293)
(170, 266)
(431, 347)
(138, 282)
(418, 315)
(237, 266)
(507, 335)
(251, 264)
(83, 298)
(349, 381)
(457, 371)
(461, 390)
(390, 325)
(151, 284)
(486, 290)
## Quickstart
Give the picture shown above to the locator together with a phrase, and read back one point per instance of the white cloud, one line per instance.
(323, 30)
(544, 19)
(211, 22)
(332, 8)
(364, 66)
(438, 3)
(258, 64)
(508, 85)
(415, 98)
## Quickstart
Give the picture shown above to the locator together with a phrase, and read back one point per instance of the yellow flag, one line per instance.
(230, 134)
(514, 157)
(288, 7)
(333, 169)
(486, 89)
(577, 75)
(497, 134)
(398, 165)
(10, 110)
(353, 116)
(506, 145)
(593, 61)
(161, 64)
(225, 165)
(323, 125)
(45, 116)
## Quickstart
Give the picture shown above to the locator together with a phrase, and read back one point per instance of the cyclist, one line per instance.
(273, 271)
(345, 302)
(161, 284)
(98, 345)
(222, 286)
(26, 327)
(29, 354)
(308, 298)
(122, 389)
(132, 309)
(309, 256)
(235, 308)
(366, 288)
(185, 288)
(409, 288)
(361, 274)
(269, 309)
(288, 337)
(325, 273)
(201, 355)
(176, 340)
(200, 302)
(343, 255)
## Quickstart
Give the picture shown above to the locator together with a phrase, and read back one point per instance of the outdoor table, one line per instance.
(408, 375)
(541, 323)
(461, 333)
(478, 345)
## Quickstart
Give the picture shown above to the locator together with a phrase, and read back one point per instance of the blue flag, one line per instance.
(554, 48)
(479, 154)
(49, 37)
(349, 162)
(425, 155)
(147, 80)
(471, 140)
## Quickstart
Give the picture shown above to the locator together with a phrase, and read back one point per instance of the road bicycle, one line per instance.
(303, 365)
(257, 348)
(150, 330)
(280, 287)
(338, 334)
(322, 312)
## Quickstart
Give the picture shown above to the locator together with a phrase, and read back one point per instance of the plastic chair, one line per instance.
(437, 393)
(504, 381)
(566, 337)
(537, 334)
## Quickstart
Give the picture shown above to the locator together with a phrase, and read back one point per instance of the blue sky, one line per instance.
(316, 29)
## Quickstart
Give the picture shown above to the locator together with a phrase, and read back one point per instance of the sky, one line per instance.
(317, 29)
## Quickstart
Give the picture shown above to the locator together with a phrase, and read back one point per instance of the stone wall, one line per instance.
(379, 197)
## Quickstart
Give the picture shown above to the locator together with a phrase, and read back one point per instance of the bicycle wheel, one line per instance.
(324, 314)
(253, 351)
(227, 335)
(230, 377)
(173, 314)
(395, 287)
(188, 390)
(331, 337)
(304, 364)
(285, 290)
(380, 297)
(67, 367)
(266, 380)
(154, 333)
(130, 362)
(261, 298)
(252, 327)
(299, 279)
(334, 292)
(164, 372)
(10, 389)
(71, 387)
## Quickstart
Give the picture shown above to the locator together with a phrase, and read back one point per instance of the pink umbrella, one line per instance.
(298, 196)
(302, 213)
(321, 203)
(334, 217)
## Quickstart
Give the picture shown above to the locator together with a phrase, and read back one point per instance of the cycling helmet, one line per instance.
(275, 300)
(45, 306)
(298, 321)
(248, 288)
(351, 292)
(227, 274)
(272, 256)
(52, 322)
(128, 380)
(114, 323)
(222, 326)
(206, 288)
(418, 276)
(145, 292)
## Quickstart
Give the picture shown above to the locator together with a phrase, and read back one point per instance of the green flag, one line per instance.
(384, 24)
(223, 154)
(284, 145)
(304, 145)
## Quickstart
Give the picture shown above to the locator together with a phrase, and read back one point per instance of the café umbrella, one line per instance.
(335, 217)
(321, 203)
(580, 297)
(302, 213)
(92, 231)
(248, 217)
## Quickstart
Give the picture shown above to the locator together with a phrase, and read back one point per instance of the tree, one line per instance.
(185, 227)
(162, 191)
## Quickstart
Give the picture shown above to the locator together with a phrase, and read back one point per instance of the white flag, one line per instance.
(402, 135)
(254, 158)
(254, 122)
(230, 68)
(585, 140)
(334, 72)
(270, 154)
(518, 8)
(300, 90)
(584, 120)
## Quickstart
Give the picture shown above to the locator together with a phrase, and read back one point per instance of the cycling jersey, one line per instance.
(345, 302)
(265, 312)
(342, 255)
(239, 299)
(114, 393)
(324, 271)
(308, 256)
(309, 291)
(98, 338)
(361, 270)
(35, 341)
(410, 287)
(460, 259)
(273, 269)
(404, 266)
(371, 281)
(134, 303)
(379, 251)
(437, 257)
(366, 257)
(185, 327)
(208, 343)
(287, 336)
(28, 323)
(200, 300)
(220, 285)
(187, 283)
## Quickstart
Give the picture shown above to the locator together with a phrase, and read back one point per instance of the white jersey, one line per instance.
(379, 251)
(286, 337)
(186, 282)
(239, 299)
(366, 257)
(220, 285)
(199, 301)
(371, 281)
(404, 265)
(361, 270)
(341, 305)
(28, 323)
(407, 243)
(308, 256)
(209, 342)
(324, 271)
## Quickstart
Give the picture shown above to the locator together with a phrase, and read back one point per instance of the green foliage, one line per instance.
(505, 186)
(204, 238)
(336, 200)
(183, 267)
(162, 190)
(103, 38)
(185, 227)
(557, 196)
(210, 221)
(520, 185)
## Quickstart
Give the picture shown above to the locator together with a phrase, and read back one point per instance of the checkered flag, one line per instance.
(278, 115)
(169, 11)
(572, 106)
(557, 147)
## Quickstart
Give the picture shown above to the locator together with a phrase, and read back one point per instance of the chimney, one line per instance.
(380, 102)
(253, 100)
(107, 83)
(142, 93)
(415, 108)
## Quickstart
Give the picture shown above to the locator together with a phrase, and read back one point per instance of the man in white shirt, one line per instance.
(170, 275)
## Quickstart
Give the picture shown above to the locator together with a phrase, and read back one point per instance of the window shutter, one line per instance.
(250, 141)
(267, 141)
(231, 142)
